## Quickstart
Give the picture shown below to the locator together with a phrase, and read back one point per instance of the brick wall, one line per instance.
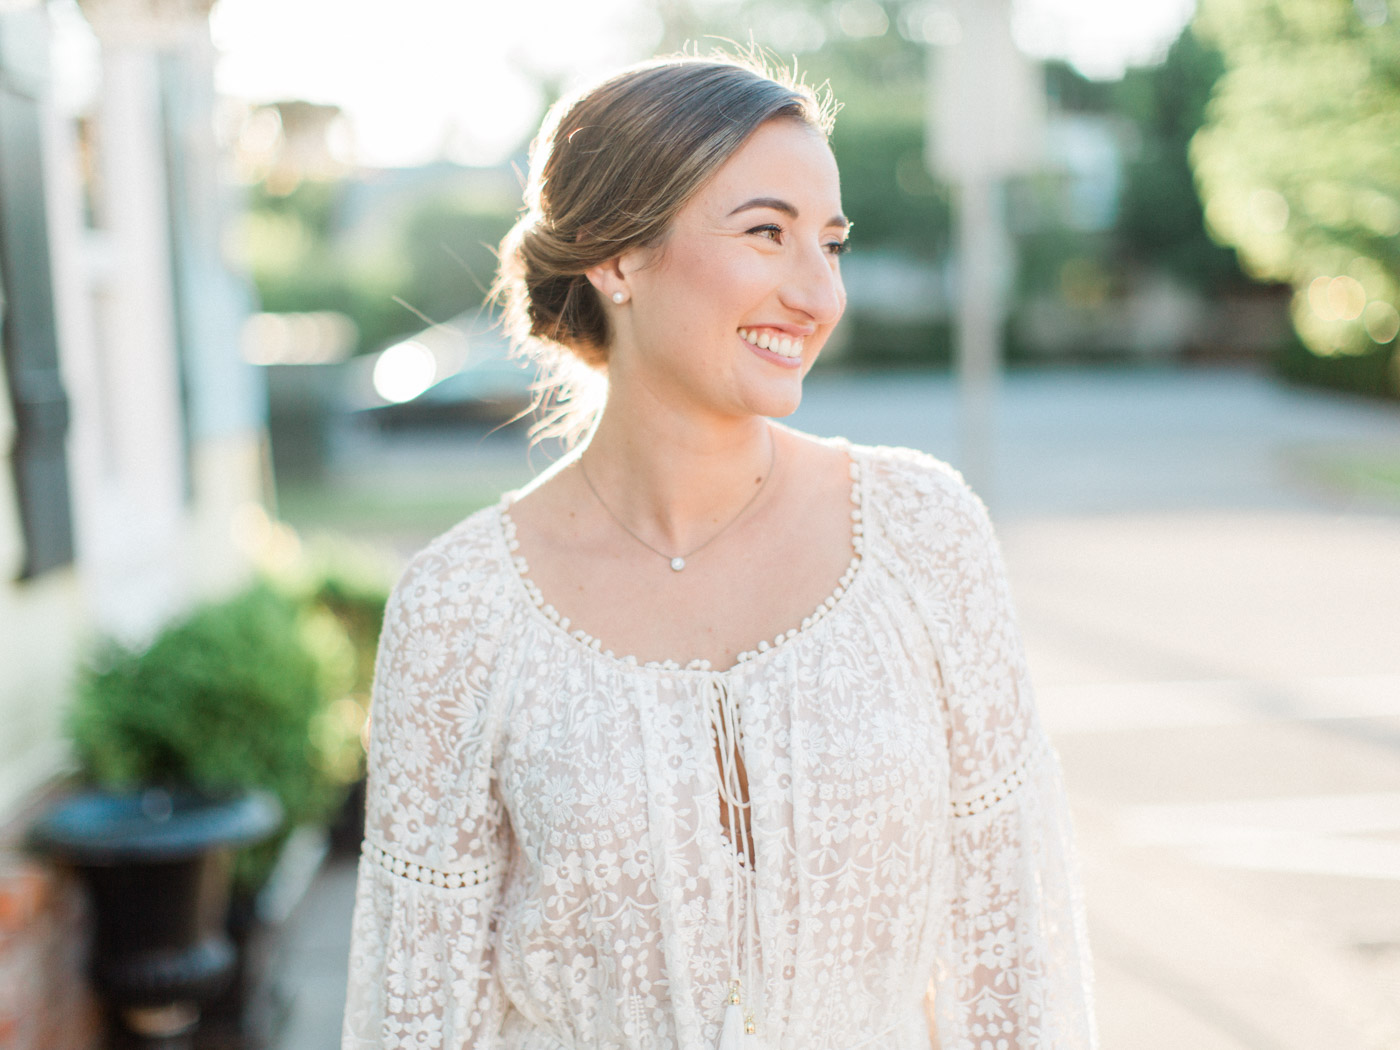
(45, 1000)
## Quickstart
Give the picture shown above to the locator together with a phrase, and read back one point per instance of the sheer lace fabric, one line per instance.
(545, 866)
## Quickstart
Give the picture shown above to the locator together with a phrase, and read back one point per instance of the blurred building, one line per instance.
(133, 429)
(283, 143)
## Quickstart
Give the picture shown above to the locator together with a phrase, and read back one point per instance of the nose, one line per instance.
(813, 286)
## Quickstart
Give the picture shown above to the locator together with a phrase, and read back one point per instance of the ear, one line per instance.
(610, 278)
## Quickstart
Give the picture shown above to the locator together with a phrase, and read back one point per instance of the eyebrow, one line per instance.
(777, 204)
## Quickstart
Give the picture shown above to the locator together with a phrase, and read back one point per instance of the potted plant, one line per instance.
(241, 693)
(154, 862)
(244, 694)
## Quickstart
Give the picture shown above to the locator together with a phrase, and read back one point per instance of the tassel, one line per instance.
(731, 1036)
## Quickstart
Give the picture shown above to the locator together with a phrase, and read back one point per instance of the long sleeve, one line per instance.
(1013, 969)
(436, 841)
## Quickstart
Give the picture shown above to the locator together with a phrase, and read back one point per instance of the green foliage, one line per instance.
(881, 342)
(359, 608)
(351, 584)
(342, 589)
(1363, 373)
(1159, 224)
(436, 262)
(248, 692)
(449, 251)
(1074, 265)
(886, 190)
(288, 244)
(873, 74)
(312, 207)
(1299, 166)
(1069, 91)
(1160, 217)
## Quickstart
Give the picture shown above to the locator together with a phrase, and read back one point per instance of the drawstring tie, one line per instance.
(742, 1011)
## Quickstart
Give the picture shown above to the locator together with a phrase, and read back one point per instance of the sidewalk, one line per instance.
(1224, 690)
(316, 954)
(1210, 599)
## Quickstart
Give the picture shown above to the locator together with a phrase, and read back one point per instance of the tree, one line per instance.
(1299, 166)
(433, 258)
(1159, 216)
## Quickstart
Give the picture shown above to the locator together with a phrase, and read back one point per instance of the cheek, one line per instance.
(716, 280)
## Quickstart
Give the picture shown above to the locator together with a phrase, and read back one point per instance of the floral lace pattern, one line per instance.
(545, 868)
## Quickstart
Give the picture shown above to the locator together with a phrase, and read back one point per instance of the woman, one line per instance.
(717, 734)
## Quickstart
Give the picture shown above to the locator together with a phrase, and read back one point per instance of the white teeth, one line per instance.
(781, 345)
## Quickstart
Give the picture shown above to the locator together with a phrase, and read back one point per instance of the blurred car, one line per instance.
(461, 372)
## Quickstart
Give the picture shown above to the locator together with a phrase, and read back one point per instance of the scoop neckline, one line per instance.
(519, 571)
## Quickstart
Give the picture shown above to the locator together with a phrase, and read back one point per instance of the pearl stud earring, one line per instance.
(619, 297)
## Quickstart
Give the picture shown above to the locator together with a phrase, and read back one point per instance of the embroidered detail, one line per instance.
(446, 880)
(522, 572)
(998, 791)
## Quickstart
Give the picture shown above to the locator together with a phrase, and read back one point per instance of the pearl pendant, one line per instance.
(677, 564)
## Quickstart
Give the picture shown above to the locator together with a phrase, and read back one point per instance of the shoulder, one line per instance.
(924, 522)
(448, 619)
(909, 488)
(462, 575)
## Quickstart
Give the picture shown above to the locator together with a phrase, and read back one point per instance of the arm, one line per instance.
(421, 958)
(1013, 964)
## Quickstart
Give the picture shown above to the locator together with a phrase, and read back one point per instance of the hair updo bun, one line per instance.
(609, 170)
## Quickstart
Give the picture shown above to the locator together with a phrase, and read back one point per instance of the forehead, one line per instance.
(783, 159)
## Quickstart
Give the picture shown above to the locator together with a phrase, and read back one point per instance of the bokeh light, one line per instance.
(404, 371)
(1337, 298)
(863, 18)
(1382, 322)
(1269, 210)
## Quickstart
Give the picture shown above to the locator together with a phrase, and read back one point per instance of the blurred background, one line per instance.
(1133, 267)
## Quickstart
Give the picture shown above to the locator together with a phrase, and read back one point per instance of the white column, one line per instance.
(131, 525)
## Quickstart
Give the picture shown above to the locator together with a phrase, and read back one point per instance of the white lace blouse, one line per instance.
(545, 867)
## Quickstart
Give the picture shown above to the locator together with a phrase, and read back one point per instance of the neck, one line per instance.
(676, 484)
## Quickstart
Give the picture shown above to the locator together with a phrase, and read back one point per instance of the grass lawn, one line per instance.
(403, 510)
(1371, 474)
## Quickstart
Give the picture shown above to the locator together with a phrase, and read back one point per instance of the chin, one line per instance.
(777, 404)
(766, 393)
(786, 408)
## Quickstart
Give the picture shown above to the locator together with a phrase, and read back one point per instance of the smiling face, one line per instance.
(728, 313)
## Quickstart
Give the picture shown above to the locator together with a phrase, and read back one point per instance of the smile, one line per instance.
(782, 345)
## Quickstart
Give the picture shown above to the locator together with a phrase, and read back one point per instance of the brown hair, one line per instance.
(609, 170)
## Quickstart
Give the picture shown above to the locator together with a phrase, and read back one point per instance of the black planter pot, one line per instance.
(156, 864)
(348, 829)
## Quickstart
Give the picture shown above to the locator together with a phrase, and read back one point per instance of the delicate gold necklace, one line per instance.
(678, 561)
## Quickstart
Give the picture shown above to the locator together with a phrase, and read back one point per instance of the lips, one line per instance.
(776, 342)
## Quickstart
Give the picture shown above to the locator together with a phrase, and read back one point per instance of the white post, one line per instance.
(979, 315)
(985, 117)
